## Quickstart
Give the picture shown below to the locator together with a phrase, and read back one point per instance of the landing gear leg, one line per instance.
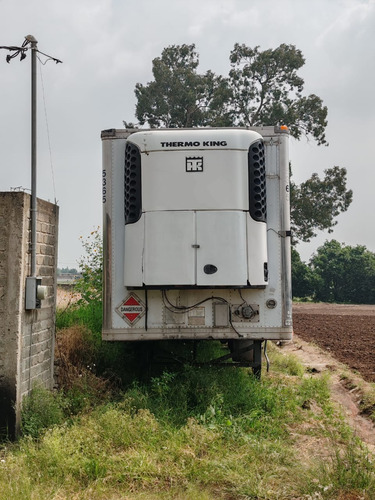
(249, 352)
(257, 366)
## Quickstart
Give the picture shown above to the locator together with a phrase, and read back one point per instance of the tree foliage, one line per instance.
(91, 266)
(316, 202)
(336, 273)
(179, 96)
(344, 273)
(263, 88)
(302, 277)
(267, 90)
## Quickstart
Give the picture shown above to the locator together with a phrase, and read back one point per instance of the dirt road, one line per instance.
(330, 337)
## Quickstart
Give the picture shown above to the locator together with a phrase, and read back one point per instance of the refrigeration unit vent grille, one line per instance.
(257, 182)
(133, 191)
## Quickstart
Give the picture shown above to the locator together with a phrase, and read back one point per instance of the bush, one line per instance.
(41, 409)
(90, 285)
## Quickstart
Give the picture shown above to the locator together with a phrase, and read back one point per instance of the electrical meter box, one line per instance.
(196, 234)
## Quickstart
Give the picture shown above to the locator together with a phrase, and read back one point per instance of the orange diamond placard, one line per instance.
(131, 309)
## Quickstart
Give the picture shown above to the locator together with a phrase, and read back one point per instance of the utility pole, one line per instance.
(33, 43)
(34, 289)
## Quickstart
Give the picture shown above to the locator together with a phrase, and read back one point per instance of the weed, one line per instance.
(288, 364)
(348, 473)
(91, 264)
(41, 409)
(228, 399)
(89, 315)
(314, 389)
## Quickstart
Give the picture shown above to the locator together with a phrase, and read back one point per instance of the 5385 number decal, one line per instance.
(104, 186)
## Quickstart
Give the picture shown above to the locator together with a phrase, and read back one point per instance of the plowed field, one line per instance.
(346, 331)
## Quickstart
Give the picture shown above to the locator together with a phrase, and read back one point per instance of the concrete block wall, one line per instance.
(26, 337)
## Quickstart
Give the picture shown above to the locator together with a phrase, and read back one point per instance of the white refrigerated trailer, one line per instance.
(196, 234)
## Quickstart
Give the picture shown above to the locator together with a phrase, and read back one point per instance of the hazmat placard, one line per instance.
(131, 309)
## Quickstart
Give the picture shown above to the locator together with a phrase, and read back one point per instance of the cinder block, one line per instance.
(49, 280)
(35, 370)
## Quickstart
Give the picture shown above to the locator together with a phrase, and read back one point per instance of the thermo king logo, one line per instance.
(194, 164)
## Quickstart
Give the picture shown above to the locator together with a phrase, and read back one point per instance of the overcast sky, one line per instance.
(107, 46)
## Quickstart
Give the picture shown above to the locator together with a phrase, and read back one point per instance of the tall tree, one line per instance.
(344, 273)
(316, 203)
(267, 90)
(263, 88)
(179, 96)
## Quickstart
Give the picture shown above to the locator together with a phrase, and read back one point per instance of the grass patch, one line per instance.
(193, 433)
(217, 397)
(348, 473)
(40, 410)
(88, 314)
(120, 448)
(289, 364)
(118, 430)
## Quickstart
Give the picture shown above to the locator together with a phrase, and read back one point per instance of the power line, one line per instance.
(48, 135)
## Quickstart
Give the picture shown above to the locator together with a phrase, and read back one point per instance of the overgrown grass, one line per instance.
(179, 431)
(79, 334)
(40, 410)
(193, 433)
(88, 314)
(348, 474)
